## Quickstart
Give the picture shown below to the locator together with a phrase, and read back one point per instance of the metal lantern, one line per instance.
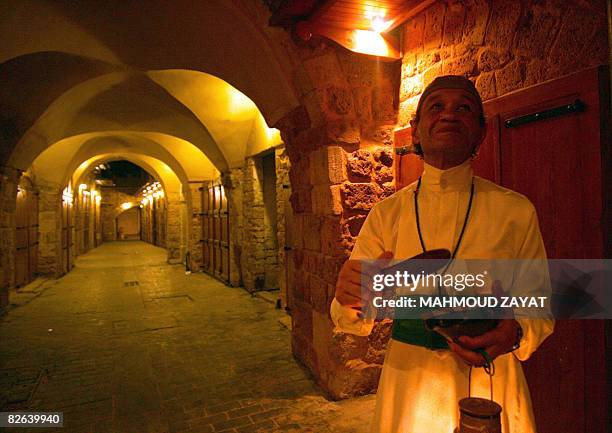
(479, 415)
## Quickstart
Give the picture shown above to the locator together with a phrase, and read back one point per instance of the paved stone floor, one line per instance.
(126, 343)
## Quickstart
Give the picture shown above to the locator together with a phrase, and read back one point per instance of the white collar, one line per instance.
(456, 178)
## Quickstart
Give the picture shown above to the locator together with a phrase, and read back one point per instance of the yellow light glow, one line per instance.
(379, 24)
(98, 199)
(67, 196)
(144, 201)
(126, 206)
(85, 192)
(368, 42)
(150, 199)
(82, 187)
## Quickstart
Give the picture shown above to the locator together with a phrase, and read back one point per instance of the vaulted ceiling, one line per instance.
(192, 84)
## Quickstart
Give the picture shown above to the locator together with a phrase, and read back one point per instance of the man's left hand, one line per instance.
(496, 342)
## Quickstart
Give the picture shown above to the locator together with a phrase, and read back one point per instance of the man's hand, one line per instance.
(496, 342)
(353, 274)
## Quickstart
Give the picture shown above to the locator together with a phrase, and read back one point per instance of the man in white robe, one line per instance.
(420, 387)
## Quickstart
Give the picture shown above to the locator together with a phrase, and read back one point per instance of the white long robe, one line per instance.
(420, 388)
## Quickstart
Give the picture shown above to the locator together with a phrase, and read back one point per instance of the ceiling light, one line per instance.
(378, 23)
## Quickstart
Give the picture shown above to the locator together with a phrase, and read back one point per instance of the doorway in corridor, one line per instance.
(26, 235)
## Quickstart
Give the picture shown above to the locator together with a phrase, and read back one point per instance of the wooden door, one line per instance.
(26, 234)
(557, 163)
(215, 231)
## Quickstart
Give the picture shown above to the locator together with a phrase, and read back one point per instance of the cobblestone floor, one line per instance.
(126, 343)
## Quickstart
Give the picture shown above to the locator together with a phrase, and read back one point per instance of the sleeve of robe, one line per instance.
(535, 331)
(369, 245)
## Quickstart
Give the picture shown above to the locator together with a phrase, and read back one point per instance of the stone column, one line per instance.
(174, 229)
(339, 143)
(233, 185)
(195, 234)
(253, 253)
(50, 228)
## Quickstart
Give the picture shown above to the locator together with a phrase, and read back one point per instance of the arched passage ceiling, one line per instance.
(156, 168)
(83, 55)
(58, 162)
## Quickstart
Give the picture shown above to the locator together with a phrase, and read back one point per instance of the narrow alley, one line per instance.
(126, 342)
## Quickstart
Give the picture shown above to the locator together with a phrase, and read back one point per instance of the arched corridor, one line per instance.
(259, 135)
(126, 342)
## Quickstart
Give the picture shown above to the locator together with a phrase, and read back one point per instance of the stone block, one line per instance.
(535, 27)
(536, 71)
(411, 86)
(345, 347)
(312, 226)
(408, 68)
(330, 270)
(466, 66)
(301, 201)
(509, 78)
(414, 30)
(383, 174)
(362, 98)
(327, 166)
(359, 70)
(324, 70)
(359, 196)
(503, 23)
(318, 294)
(384, 156)
(490, 59)
(359, 165)
(434, 21)
(301, 316)
(326, 200)
(380, 134)
(430, 74)
(354, 224)
(331, 237)
(427, 60)
(386, 190)
(485, 84)
(383, 102)
(474, 28)
(453, 23)
(338, 101)
(343, 132)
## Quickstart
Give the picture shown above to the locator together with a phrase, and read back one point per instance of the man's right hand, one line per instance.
(353, 275)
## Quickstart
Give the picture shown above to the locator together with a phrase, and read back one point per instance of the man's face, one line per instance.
(448, 128)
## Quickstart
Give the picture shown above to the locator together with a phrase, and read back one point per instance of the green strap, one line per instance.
(413, 331)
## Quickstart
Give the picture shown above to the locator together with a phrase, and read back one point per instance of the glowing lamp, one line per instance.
(126, 206)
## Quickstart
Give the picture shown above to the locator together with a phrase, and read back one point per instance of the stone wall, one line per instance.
(263, 220)
(284, 217)
(9, 180)
(502, 45)
(172, 228)
(253, 245)
(110, 208)
(339, 145)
